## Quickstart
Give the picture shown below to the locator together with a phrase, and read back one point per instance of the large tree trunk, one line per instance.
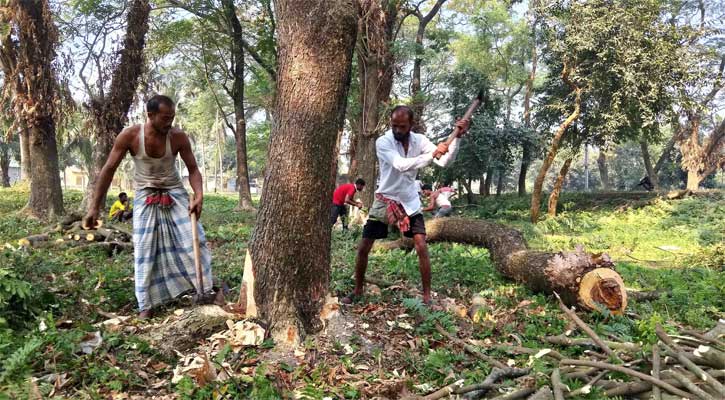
(109, 112)
(554, 196)
(375, 68)
(38, 104)
(603, 170)
(648, 165)
(290, 247)
(526, 151)
(4, 165)
(417, 97)
(701, 160)
(499, 182)
(24, 154)
(578, 277)
(240, 131)
(487, 182)
(556, 141)
(525, 161)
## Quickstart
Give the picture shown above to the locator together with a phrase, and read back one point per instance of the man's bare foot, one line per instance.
(145, 314)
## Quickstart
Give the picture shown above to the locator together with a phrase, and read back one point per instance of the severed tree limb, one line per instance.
(709, 340)
(711, 355)
(664, 385)
(625, 389)
(471, 349)
(544, 393)
(677, 352)
(562, 340)
(527, 350)
(588, 387)
(584, 327)
(519, 394)
(557, 385)
(690, 385)
(656, 392)
(444, 391)
(493, 377)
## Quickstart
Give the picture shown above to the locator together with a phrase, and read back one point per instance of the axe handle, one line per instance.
(471, 109)
(197, 255)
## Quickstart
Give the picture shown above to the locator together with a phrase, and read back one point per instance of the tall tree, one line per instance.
(417, 96)
(527, 148)
(229, 60)
(377, 27)
(108, 105)
(290, 247)
(37, 104)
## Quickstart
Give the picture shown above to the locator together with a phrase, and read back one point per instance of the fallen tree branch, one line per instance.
(712, 341)
(519, 394)
(562, 340)
(493, 377)
(471, 349)
(557, 385)
(676, 351)
(444, 391)
(601, 365)
(526, 350)
(544, 393)
(656, 393)
(690, 386)
(584, 327)
(584, 390)
(712, 356)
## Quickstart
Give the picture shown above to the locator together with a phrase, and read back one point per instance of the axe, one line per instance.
(481, 97)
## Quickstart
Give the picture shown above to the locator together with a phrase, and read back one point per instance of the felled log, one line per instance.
(578, 277)
(33, 240)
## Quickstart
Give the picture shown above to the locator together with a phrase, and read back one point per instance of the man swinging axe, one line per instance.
(400, 154)
(163, 234)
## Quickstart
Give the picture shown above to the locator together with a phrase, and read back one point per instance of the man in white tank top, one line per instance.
(162, 231)
(440, 198)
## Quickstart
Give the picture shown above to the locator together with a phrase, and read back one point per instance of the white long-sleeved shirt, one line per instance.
(398, 169)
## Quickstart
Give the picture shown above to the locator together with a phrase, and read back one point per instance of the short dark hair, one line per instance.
(360, 181)
(426, 186)
(157, 100)
(122, 194)
(401, 107)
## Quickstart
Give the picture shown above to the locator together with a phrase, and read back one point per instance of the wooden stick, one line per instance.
(490, 381)
(444, 391)
(690, 385)
(656, 392)
(471, 349)
(557, 385)
(630, 372)
(712, 341)
(526, 350)
(699, 372)
(519, 394)
(562, 340)
(583, 326)
(588, 387)
(544, 393)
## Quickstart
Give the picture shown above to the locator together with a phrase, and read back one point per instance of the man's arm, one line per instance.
(195, 179)
(432, 204)
(350, 201)
(118, 152)
(388, 154)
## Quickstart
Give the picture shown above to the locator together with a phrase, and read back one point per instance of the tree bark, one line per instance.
(290, 247)
(4, 165)
(556, 141)
(416, 94)
(648, 165)
(487, 182)
(109, 112)
(554, 196)
(240, 131)
(376, 27)
(499, 182)
(24, 154)
(580, 278)
(466, 183)
(525, 161)
(37, 104)
(603, 170)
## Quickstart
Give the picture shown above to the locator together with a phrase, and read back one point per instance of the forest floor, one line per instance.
(54, 302)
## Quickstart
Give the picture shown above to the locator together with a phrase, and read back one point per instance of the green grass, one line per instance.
(673, 246)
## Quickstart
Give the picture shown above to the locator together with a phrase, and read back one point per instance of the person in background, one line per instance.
(440, 199)
(121, 210)
(343, 196)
